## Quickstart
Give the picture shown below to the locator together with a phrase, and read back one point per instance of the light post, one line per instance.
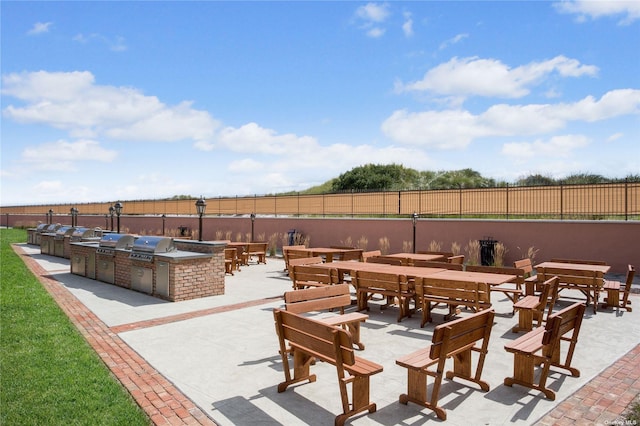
(414, 219)
(106, 221)
(50, 216)
(164, 217)
(253, 219)
(74, 216)
(201, 206)
(118, 208)
(111, 213)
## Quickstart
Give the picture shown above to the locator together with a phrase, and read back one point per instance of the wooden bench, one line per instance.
(393, 287)
(513, 290)
(588, 282)
(322, 298)
(258, 250)
(436, 264)
(310, 339)
(286, 250)
(542, 346)
(530, 279)
(229, 260)
(455, 339)
(613, 291)
(313, 276)
(301, 261)
(534, 307)
(454, 293)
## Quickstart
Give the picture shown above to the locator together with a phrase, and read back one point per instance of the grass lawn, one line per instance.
(49, 375)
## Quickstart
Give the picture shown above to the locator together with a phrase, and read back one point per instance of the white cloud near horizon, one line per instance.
(561, 146)
(473, 76)
(456, 129)
(594, 9)
(61, 155)
(73, 102)
(40, 28)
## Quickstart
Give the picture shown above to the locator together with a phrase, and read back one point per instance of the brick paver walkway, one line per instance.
(599, 402)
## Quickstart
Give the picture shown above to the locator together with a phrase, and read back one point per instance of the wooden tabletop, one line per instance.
(346, 266)
(479, 277)
(417, 256)
(327, 252)
(576, 266)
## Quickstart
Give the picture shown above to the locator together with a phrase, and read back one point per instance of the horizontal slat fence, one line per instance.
(594, 202)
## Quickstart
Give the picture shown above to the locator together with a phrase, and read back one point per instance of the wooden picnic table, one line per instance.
(411, 257)
(479, 277)
(327, 252)
(575, 266)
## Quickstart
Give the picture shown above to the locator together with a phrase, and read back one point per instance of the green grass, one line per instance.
(49, 375)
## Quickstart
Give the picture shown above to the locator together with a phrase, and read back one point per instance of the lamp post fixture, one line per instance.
(50, 216)
(111, 213)
(74, 216)
(414, 219)
(106, 221)
(253, 219)
(164, 217)
(118, 208)
(201, 207)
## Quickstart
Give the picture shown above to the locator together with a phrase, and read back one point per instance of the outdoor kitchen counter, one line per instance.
(182, 255)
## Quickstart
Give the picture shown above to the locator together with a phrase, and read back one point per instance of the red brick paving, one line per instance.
(601, 401)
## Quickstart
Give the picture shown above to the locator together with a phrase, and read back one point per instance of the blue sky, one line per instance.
(105, 101)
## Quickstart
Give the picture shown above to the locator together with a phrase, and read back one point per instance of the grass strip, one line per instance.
(49, 375)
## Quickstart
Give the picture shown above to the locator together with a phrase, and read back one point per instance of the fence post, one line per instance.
(507, 206)
(626, 199)
(561, 201)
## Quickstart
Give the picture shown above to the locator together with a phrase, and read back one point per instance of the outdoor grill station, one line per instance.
(171, 269)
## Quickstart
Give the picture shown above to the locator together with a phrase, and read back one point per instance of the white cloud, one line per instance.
(556, 147)
(252, 138)
(454, 40)
(72, 101)
(40, 28)
(455, 129)
(372, 16)
(407, 26)
(614, 137)
(490, 77)
(594, 9)
(373, 12)
(62, 155)
(117, 45)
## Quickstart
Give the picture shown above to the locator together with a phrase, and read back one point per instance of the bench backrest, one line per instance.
(453, 336)
(371, 253)
(355, 254)
(381, 281)
(579, 261)
(302, 261)
(314, 275)
(445, 254)
(328, 343)
(257, 247)
(387, 260)
(452, 289)
(562, 322)
(518, 272)
(631, 272)
(577, 277)
(436, 264)
(456, 260)
(525, 265)
(548, 296)
(318, 298)
(286, 249)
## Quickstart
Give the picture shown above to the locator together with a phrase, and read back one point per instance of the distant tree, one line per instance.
(181, 197)
(376, 177)
(464, 178)
(584, 179)
(535, 180)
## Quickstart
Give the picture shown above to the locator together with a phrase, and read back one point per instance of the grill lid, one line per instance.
(153, 245)
(116, 241)
(80, 233)
(64, 231)
(41, 227)
(51, 228)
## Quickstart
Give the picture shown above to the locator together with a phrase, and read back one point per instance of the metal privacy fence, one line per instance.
(610, 201)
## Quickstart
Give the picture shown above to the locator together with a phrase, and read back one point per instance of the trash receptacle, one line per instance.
(487, 250)
(292, 237)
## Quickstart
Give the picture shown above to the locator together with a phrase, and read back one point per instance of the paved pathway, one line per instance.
(600, 402)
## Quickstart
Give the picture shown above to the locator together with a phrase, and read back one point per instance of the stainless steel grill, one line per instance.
(82, 234)
(109, 243)
(146, 247)
(64, 231)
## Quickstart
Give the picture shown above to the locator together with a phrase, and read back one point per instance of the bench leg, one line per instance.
(301, 364)
(523, 374)
(525, 321)
(354, 329)
(360, 394)
(417, 392)
(612, 299)
(462, 369)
